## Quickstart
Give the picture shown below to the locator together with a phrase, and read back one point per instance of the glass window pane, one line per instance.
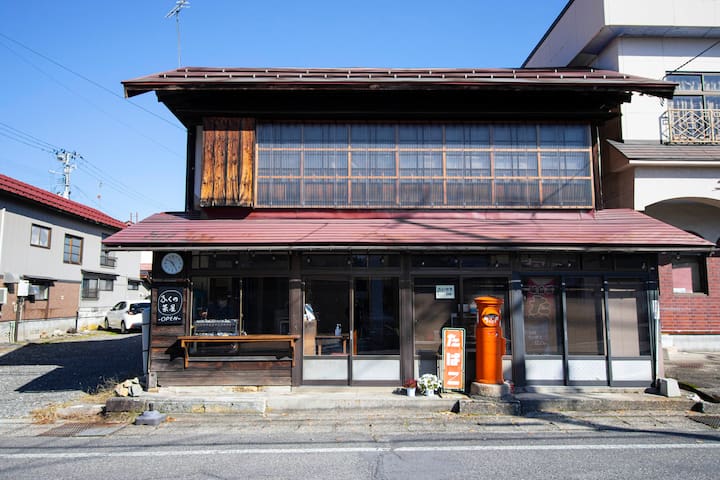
(564, 136)
(629, 322)
(327, 307)
(324, 192)
(565, 164)
(518, 136)
(373, 164)
(421, 193)
(567, 193)
(510, 193)
(712, 102)
(469, 192)
(542, 314)
(687, 102)
(325, 136)
(420, 136)
(373, 193)
(421, 164)
(585, 322)
(467, 164)
(372, 136)
(685, 82)
(279, 163)
(467, 136)
(376, 316)
(516, 164)
(711, 83)
(325, 163)
(431, 316)
(280, 135)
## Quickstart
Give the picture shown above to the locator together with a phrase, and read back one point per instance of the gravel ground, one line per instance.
(698, 369)
(37, 374)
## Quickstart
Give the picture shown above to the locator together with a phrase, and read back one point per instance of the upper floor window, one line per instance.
(424, 165)
(40, 236)
(694, 111)
(689, 274)
(72, 252)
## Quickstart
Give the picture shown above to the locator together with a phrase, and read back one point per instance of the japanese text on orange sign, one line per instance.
(453, 358)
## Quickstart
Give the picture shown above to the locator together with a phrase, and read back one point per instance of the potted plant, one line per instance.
(410, 386)
(428, 384)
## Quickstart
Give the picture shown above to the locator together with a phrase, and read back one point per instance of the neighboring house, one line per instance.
(665, 159)
(342, 218)
(54, 245)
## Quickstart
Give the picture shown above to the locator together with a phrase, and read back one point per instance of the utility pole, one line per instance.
(66, 159)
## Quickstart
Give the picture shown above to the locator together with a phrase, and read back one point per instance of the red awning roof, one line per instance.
(53, 201)
(616, 230)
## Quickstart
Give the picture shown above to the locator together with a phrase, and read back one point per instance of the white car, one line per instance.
(128, 315)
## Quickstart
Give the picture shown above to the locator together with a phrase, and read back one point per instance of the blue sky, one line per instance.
(63, 63)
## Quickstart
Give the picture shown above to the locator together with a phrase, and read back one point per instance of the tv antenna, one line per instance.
(179, 5)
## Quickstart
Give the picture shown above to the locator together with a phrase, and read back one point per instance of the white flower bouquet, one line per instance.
(428, 382)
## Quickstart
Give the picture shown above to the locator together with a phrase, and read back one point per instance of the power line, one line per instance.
(19, 136)
(693, 58)
(93, 104)
(92, 82)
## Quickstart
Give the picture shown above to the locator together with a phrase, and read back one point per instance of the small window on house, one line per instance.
(689, 274)
(72, 252)
(133, 285)
(90, 288)
(105, 285)
(40, 236)
(40, 291)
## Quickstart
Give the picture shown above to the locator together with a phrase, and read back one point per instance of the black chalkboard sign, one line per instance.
(170, 306)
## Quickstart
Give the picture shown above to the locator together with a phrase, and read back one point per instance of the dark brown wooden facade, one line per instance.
(222, 110)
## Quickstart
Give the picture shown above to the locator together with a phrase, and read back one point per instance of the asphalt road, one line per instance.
(38, 374)
(353, 449)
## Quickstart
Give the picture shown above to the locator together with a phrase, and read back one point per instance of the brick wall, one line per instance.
(62, 303)
(689, 313)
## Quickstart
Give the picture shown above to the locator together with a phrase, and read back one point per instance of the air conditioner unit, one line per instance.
(3, 295)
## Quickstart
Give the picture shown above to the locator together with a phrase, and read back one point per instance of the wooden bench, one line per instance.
(186, 341)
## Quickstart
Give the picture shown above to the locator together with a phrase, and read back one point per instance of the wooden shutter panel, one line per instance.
(227, 167)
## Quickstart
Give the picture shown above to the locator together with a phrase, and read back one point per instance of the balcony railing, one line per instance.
(688, 126)
(107, 260)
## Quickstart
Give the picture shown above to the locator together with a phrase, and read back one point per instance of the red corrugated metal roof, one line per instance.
(228, 78)
(606, 229)
(56, 202)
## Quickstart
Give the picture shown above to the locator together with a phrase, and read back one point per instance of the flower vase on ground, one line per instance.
(410, 386)
(428, 383)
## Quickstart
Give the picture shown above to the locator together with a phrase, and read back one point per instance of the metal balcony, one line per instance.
(689, 126)
(107, 260)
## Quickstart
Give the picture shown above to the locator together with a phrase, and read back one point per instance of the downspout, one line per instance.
(600, 201)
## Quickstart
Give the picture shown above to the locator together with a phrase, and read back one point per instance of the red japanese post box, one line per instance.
(489, 342)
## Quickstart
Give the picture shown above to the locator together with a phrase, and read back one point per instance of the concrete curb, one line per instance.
(520, 404)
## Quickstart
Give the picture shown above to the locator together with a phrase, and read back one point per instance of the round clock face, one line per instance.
(172, 263)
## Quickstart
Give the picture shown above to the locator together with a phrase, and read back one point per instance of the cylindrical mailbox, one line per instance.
(489, 342)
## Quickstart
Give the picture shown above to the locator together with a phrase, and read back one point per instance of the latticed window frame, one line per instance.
(419, 175)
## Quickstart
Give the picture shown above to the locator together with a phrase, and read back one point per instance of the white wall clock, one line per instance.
(172, 263)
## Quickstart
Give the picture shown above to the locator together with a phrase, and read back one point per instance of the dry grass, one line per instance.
(83, 409)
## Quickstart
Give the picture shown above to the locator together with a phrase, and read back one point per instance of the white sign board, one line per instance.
(444, 292)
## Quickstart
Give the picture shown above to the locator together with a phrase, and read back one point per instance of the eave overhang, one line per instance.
(602, 231)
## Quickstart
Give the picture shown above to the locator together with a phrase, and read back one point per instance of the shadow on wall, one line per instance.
(81, 365)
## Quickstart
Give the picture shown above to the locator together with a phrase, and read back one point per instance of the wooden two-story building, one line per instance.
(337, 220)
